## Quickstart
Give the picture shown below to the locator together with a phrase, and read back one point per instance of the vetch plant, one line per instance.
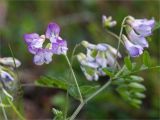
(98, 60)
(102, 60)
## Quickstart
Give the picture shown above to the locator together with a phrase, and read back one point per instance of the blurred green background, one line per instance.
(79, 20)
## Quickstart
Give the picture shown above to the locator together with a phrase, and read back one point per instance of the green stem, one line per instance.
(114, 35)
(119, 39)
(16, 111)
(75, 79)
(3, 110)
(89, 98)
(74, 50)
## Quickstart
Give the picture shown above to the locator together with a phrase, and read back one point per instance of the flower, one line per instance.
(56, 44)
(5, 76)
(10, 61)
(97, 57)
(137, 39)
(88, 66)
(142, 26)
(107, 22)
(134, 50)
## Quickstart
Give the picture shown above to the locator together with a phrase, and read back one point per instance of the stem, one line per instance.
(16, 111)
(114, 35)
(75, 79)
(100, 90)
(66, 106)
(74, 50)
(119, 39)
(89, 98)
(77, 111)
(3, 110)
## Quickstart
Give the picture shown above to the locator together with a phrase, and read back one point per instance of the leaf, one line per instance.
(146, 59)
(157, 26)
(128, 63)
(137, 86)
(85, 90)
(46, 81)
(108, 71)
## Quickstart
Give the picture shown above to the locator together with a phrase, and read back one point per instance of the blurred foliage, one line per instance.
(79, 20)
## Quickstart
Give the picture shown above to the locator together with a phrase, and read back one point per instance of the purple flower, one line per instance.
(6, 76)
(134, 50)
(137, 39)
(56, 44)
(143, 26)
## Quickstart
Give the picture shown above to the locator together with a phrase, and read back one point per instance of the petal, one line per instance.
(53, 30)
(60, 47)
(39, 58)
(143, 26)
(102, 47)
(113, 51)
(134, 50)
(48, 56)
(30, 37)
(137, 39)
(6, 76)
(10, 61)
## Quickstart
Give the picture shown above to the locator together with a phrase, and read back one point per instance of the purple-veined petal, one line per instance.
(43, 56)
(34, 42)
(60, 47)
(134, 50)
(52, 31)
(6, 76)
(29, 38)
(143, 26)
(137, 39)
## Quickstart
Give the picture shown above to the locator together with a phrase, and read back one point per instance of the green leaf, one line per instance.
(157, 26)
(137, 86)
(136, 103)
(85, 90)
(146, 59)
(108, 71)
(128, 63)
(46, 81)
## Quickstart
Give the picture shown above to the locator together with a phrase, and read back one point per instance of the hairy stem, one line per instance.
(75, 79)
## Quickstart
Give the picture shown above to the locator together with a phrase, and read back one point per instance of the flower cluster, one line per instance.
(43, 54)
(98, 57)
(108, 22)
(6, 69)
(137, 30)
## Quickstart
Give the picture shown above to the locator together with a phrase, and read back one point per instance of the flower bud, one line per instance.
(10, 61)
